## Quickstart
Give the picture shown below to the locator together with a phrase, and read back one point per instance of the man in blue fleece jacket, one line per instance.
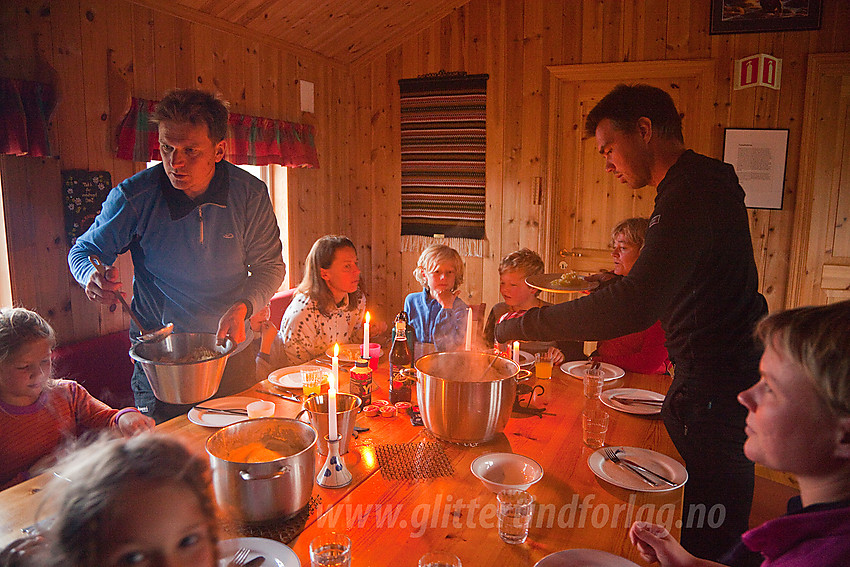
(202, 234)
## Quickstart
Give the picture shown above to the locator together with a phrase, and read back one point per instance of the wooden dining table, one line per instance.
(393, 521)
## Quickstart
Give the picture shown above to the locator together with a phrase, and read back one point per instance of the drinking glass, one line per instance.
(312, 382)
(330, 549)
(594, 427)
(543, 366)
(593, 382)
(439, 559)
(514, 515)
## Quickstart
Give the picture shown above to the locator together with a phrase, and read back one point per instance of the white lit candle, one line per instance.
(516, 352)
(469, 329)
(332, 428)
(366, 336)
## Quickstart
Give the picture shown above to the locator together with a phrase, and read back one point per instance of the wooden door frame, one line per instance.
(563, 81)
(800, 277)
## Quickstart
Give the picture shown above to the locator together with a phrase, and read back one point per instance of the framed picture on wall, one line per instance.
(758, 157)
(745, 16)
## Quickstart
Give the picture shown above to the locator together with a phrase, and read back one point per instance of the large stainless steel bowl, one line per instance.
(466, 397)
(263, 469)
(174, 378)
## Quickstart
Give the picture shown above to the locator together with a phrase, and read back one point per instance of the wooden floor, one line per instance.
(772, 491)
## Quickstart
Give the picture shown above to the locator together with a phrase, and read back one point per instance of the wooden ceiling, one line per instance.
(345, 31)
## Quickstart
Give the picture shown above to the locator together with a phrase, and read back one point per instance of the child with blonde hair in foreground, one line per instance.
(38, 414)
(139, 501)
(798, 422)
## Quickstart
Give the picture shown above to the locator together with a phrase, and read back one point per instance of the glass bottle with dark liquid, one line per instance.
(400, 358)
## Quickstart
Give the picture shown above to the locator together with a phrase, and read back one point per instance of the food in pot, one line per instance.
(569, 279)
(197, 354)
(260, 451)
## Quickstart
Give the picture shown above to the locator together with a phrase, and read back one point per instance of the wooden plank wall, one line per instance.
(513, 41)
(110, 49)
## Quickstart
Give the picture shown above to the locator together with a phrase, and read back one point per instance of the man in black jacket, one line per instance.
(696, 273)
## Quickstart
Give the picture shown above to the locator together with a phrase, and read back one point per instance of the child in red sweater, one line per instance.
(37, 413)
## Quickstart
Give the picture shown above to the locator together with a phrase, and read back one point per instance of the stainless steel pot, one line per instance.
(263, 468)
(176, 379)
(466, 397)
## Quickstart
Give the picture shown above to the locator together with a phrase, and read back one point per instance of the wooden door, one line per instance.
(820, 262)
(584, 202)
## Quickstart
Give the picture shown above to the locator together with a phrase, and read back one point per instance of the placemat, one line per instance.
(413, 461)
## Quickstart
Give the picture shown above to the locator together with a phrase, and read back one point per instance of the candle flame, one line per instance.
(368, 317)
(336, 349)
(516, 344)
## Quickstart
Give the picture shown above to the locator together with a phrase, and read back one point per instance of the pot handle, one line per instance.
(298, 416)
(245, 475)
(523, 375)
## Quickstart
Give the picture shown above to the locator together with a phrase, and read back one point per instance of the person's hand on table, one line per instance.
(232, 324)
(133, 422)
(656, 545)
(20, 552)
(104, 288)
(555, 355)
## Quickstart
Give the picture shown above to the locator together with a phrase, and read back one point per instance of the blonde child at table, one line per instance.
(140, 501)
(437, 314)
(519, 297)
(798, 422)
(37, 413)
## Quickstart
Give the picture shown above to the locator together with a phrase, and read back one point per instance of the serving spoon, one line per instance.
(145, 336)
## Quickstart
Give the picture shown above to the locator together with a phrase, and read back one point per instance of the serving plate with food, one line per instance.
(562, 282)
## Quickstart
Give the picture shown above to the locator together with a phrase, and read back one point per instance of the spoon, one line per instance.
(145, 336)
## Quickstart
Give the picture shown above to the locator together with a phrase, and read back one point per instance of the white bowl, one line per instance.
(502, 471)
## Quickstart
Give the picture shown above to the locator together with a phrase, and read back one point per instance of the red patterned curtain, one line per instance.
(25, 109)
(251, 140)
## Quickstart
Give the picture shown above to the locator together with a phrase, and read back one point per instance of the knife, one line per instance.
(644, 469)
(647, 401)
(288, 397)
(234, 411)
(256, 562)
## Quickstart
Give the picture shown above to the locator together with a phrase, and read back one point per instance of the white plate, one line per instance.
(212, 419)
(290, 377)
(276, 553)
(548, 282)
(577, 369)
(633, 408)
(525, 359)
(584, 558)
(624, 478)
(349, 352)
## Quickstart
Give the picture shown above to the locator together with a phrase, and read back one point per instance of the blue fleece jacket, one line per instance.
(446, 328)
(193, 259)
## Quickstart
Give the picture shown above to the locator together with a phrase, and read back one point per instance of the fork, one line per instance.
(611, 455)
(240, 557)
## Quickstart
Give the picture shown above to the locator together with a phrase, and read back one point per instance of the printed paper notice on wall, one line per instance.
(759, 160)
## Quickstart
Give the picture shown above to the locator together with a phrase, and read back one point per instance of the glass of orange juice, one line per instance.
(542, 366)
(312, 382)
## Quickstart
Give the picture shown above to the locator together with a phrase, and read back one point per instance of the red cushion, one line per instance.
(101, 364)
(278, 304)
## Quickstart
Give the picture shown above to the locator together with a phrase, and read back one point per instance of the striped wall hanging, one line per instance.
(443, 150)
